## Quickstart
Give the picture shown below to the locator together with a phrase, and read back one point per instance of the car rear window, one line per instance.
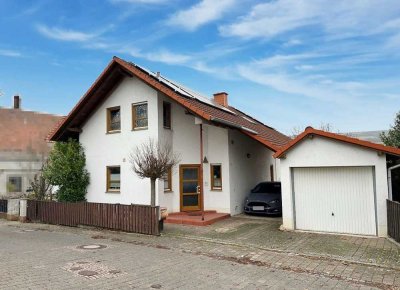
(268, 188)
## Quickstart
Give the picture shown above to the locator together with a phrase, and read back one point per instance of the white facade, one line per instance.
(230, 148)
(17, 165)
(341, 163)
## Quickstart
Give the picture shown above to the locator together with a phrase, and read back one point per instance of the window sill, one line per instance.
(140, 128)
(113, 191)
(167, 128)
(216, 189)
(113, 132)
(168, 191)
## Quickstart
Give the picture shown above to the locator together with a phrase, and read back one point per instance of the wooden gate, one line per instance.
(393, 219)
(3, 208)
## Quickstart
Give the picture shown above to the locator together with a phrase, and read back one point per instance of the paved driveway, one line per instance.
(38, 256)
(264, 233)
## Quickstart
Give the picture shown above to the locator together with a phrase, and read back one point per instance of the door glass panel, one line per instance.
(190, 174)
(190, 187)
(190, 200)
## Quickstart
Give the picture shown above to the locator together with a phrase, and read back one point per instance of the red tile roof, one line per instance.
(119, 68)
(25, 131)
(336, 137)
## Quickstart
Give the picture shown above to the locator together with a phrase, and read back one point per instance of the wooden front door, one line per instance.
(189, 176)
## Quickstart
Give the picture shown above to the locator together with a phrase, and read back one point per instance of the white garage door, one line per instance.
(335, 199)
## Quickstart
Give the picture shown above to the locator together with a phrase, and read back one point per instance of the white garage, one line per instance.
(335, 199)
(333, 183)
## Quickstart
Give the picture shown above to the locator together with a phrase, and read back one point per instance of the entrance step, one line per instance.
(195, 218)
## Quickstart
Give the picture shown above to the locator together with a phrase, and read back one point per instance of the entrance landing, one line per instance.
(194, 218)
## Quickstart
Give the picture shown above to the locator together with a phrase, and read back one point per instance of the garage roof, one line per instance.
(337, 137)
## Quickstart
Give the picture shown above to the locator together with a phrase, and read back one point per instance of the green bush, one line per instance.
(66, 169)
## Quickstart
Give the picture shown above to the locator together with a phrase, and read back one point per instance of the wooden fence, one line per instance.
(393, 219)
(129, 218)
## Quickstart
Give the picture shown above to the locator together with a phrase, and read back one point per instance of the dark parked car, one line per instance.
(265, 198)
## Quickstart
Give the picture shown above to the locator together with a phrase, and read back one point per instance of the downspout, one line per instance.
(390, 180)
(201, 173)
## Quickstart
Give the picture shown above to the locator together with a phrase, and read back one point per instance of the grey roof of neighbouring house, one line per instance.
(371, 136)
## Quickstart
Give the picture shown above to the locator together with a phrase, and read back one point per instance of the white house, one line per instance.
(330, 182)
(335, 183)
(23, 147)
(128, 104)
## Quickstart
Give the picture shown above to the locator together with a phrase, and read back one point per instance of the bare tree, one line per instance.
(153, 160)
(327, 127)
(296, 130)
(41, 187)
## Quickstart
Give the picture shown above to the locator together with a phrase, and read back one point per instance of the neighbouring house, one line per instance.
(372, 136)
(335, 183)
(23, 147)
(127, 104)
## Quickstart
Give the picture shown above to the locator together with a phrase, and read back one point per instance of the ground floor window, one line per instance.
(168, 181)
(113, 178)
(216, 177)
(14, 184)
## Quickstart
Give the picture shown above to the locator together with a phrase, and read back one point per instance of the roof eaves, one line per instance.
(337, 137)
(75, 109)
(264, 142)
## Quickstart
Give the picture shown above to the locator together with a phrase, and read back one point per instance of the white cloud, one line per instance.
(167, 57)
(163, 55)
(204, 12)
(341, 18)
(140, 1)
(281, 61)
(10, 53)
(65, 34)
(292, 42)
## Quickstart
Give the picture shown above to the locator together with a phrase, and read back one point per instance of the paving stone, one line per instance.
(170, 261)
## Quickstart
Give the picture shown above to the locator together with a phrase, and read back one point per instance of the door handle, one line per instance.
(198, 189)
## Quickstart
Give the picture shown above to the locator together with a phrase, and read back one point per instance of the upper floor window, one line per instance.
(139, 116)
(167, 115)
(113, 119)
(14, 184)
(216, 177)
(113, 178)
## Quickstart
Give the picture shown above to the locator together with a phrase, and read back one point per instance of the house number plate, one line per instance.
(258, 208)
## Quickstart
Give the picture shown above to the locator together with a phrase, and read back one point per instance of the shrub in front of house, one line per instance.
(66, 169)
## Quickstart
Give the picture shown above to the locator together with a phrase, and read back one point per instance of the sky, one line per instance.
(288, 63)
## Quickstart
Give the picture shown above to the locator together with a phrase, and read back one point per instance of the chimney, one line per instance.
(221, 98)
(17, 102)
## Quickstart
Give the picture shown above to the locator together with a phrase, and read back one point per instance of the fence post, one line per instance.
(13, 209)
(23, 204)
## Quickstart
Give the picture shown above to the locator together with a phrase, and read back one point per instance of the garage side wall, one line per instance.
(322, 152)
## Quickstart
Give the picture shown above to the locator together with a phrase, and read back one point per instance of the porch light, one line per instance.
(205, 160)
